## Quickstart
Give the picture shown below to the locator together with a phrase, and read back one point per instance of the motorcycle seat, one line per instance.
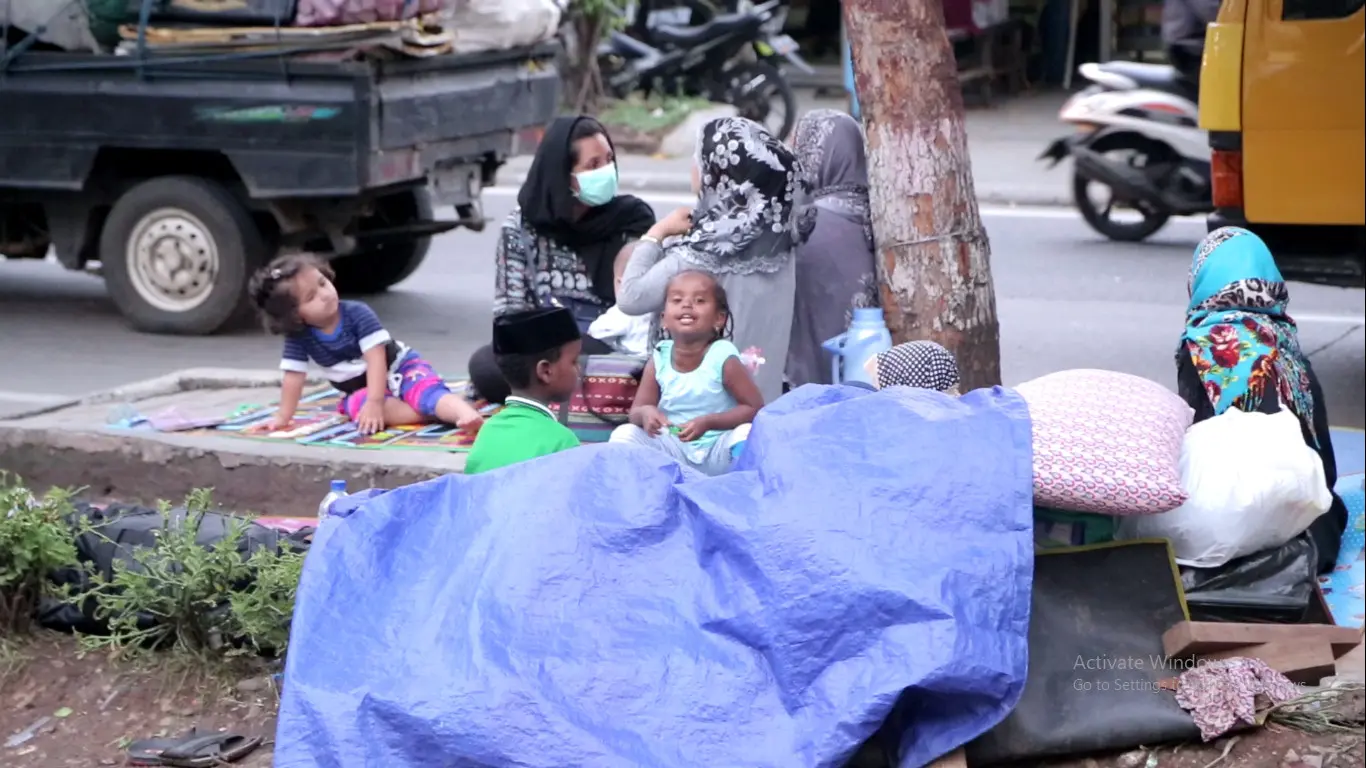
(1159, 77)
(674, 35)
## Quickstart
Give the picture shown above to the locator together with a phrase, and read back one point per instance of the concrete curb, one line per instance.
(68, 446)
(676, 184)
(186, 380)
(145, 470)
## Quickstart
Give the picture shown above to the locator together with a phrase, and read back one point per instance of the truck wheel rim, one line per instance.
(172, 260)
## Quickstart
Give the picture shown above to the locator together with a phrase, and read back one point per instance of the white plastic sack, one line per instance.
(493, 25)
(1252, 483)
(65, 23)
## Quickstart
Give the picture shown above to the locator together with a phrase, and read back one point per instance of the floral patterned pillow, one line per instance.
(1106, 442)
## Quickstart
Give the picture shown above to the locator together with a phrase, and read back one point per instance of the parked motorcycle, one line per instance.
(1137, 133)
(732, 58)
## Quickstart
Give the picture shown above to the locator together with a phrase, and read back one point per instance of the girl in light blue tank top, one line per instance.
(696, 398)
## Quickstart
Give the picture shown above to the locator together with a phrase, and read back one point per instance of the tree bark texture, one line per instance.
(934, 260)
(583, 80)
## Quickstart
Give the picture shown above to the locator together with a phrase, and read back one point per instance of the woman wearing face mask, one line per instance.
(558, 245)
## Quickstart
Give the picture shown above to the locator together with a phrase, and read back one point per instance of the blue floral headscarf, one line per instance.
(1243, 343)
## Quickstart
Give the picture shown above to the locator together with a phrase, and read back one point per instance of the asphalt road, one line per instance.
(1067, 299)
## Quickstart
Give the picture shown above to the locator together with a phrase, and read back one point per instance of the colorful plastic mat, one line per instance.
(1345, 588)
(318, 422)
(1349, 448)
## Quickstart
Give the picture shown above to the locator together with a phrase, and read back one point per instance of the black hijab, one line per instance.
(548, 205)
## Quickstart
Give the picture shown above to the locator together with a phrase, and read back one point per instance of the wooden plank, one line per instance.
(1199, 638)
(1354, 663)
(955, 759)
(1302, 662)
(130, 31)
(1319, 612)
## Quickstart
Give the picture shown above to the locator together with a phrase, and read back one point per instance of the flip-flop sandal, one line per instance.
(211, 750)
(148, 751)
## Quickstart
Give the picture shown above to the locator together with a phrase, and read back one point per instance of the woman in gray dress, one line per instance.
(742, 231)
(836, 268)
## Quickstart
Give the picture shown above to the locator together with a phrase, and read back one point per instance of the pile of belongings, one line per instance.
(412, 27)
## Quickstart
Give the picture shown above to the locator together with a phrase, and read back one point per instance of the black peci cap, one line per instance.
(534, 331)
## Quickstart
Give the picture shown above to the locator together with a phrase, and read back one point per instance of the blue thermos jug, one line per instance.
(850, 351)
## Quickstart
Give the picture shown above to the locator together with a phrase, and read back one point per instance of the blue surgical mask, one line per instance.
(598, 186)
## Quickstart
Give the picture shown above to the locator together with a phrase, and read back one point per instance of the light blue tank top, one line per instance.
(685, 396)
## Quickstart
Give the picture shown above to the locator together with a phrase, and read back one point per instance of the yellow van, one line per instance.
(1283, 96)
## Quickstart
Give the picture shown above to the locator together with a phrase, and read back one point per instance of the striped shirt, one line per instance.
(340, 355)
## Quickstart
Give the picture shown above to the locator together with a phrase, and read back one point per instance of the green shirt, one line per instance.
(523, 430)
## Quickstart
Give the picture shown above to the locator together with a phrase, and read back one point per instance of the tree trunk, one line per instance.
(934, 260)
(583, 81)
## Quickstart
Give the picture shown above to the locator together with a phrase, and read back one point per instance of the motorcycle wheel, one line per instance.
(753, 89)
(1101, 217)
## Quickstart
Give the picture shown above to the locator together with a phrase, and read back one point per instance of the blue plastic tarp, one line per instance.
(599, 608)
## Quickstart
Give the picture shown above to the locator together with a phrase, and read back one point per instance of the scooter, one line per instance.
(732, 58)
(1137, 133)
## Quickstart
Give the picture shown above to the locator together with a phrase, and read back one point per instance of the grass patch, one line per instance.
(209, 602)
(12, 657)
(35, 540)
(652, 114)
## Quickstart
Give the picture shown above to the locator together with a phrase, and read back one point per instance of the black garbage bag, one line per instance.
(118, 530)
(1274, 585)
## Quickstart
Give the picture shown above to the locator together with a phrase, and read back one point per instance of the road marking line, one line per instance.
(1003, 212)
(995, 211)
(1047, 212)
(1329, 319)
(32, 398)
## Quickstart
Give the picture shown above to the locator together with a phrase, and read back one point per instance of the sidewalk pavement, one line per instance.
(1004, 142)
(71, 446)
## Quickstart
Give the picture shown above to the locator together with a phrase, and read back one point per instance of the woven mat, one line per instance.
(317, 422)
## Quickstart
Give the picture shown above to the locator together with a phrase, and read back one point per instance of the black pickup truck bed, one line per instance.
(181, 175)
(288, 128)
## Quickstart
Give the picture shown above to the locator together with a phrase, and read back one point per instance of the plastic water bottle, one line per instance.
(867, 336)
(335, 491)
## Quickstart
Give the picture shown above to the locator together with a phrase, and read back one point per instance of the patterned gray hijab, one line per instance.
(743, 222)
(834, 171)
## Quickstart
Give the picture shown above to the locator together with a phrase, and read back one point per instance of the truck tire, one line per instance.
(756, 104)
(380, 267)
(177, 252)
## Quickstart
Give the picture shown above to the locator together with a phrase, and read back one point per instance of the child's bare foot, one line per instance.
(471, 424)
(454, 409)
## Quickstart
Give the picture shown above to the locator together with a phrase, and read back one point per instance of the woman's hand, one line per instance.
(678, 222)
(371, 417)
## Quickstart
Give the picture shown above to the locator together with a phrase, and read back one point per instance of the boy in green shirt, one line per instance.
(538, 354)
